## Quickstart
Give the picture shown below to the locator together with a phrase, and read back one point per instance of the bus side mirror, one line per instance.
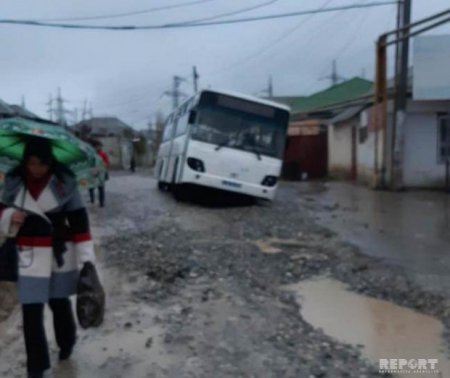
(192, 116)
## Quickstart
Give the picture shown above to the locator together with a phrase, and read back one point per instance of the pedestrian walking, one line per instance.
(101, 188)
(42, 208)
(133, 164)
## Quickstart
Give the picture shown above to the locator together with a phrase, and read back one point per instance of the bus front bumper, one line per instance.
(236, 186)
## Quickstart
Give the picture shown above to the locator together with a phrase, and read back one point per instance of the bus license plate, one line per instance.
(231, 183)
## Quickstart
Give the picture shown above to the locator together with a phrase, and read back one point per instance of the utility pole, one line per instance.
(390, 150)
(84, 111)
(270, 87)
(75, 116)
(269, 90)
(334, 77)
(50, 107)
(195, 77)
(175, 92)
(23, 102)
(91, 111)
(60, 111)
(401, 92)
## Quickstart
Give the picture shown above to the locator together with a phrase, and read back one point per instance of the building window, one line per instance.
(363, 132)
(443, 138)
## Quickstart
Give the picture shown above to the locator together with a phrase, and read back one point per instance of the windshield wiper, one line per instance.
(226, 143)
(223, 144)
(258, 155)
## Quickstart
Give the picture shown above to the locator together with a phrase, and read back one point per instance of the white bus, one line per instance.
(225, 141)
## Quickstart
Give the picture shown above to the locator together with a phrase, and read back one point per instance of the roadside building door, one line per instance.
(306, 154)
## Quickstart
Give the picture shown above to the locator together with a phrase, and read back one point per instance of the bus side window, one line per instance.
(184, 109)
(182, 125)
(174, 127)
(167, 134)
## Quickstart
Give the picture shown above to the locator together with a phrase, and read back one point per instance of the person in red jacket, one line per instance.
(101, 189)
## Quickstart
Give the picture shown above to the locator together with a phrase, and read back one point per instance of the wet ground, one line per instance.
(243, 290)
(379, 327)
(410, 229)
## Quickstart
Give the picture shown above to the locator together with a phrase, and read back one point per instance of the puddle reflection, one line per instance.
(384, 329)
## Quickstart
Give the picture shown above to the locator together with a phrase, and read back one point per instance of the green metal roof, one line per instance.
(346, 91)
(286, 100)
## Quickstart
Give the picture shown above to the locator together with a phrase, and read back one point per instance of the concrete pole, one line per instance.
(50, 107)
(401, 94)
(195, 77)
(176, 93)
(60, 117)
(380, 110)
(270, 87)
(334, 75)
(84, 112)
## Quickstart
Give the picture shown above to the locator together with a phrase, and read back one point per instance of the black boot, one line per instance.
(64, 325)
(64, 354)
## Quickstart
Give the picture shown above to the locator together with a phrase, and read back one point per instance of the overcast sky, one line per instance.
(125, 73)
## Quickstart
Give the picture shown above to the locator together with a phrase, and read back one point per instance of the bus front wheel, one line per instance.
(179, 192)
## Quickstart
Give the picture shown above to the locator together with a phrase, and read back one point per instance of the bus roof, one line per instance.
(249, 98)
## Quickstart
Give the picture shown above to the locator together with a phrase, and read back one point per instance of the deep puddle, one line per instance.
(385, 330)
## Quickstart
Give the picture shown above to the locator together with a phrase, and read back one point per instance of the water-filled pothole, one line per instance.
(385, 330)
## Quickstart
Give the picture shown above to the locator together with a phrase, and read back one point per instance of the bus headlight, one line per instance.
(196, 164)
(269, 181)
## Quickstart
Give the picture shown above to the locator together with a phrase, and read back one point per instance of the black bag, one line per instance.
(90, 297)
(9, 261)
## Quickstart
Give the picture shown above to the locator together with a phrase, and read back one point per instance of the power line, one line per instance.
(233, 13)
(186, 24)
(175, 92)
(273, 43)
(140, 94)
(130, 102)
(311, 51)
(151, 105)
(135, 100)
(312, 35)
(352, 39)
(339, 51)
(189, 79)
(126, 14)
(140, 99)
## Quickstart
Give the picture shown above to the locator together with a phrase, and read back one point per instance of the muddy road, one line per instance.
(242, 290)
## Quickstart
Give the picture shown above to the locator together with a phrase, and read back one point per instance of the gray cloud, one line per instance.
(125, 73)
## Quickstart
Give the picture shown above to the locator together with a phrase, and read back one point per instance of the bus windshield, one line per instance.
(240, 130)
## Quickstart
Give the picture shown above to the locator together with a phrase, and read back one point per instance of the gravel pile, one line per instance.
(226, 265)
